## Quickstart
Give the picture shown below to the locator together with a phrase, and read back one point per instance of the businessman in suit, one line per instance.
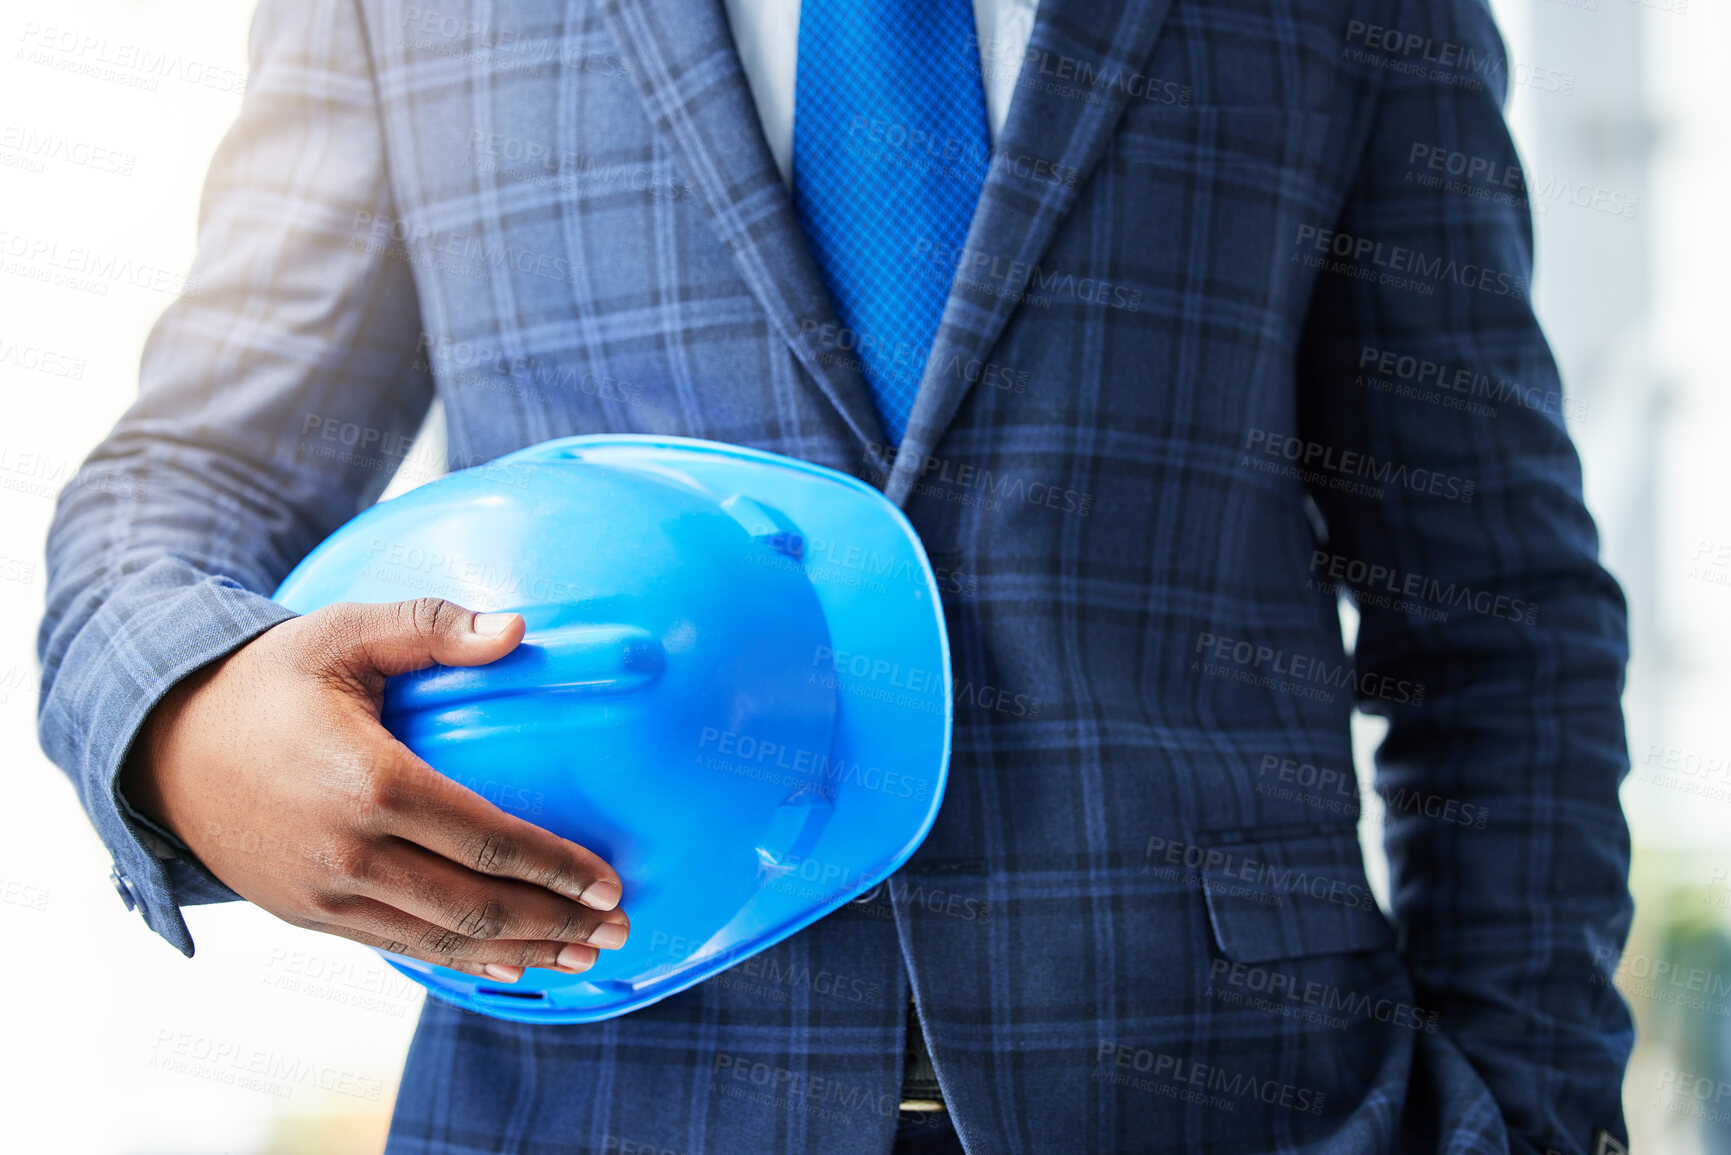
(1166, 322)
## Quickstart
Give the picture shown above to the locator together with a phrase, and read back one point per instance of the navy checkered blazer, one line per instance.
(1242, 323)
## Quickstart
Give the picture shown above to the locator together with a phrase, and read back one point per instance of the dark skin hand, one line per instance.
(272, 766)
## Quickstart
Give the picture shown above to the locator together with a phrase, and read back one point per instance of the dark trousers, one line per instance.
(926, 1133)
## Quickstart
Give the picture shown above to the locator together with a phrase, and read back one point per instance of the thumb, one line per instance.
(397, 637)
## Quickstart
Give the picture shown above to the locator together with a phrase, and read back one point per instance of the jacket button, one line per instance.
(124, 888)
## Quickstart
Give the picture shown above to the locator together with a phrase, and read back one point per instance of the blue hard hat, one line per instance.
(735, 687)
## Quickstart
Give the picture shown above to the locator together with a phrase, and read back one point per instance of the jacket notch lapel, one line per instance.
(682, 57)
(1105, 42)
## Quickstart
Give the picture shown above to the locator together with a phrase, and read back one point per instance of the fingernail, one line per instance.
(601, 895)
(492, 625)
(608, 936)
(576, 957)
(502, 972)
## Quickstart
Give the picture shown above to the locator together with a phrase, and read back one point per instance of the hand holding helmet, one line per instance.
(709, 675)
(272, 766)
(734, 686)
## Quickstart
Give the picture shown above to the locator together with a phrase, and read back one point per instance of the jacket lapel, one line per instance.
(682, 56)
(1017, 215)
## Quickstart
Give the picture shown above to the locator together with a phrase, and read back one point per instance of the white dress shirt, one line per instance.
(766, 33)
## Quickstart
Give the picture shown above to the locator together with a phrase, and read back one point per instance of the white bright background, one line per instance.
(115, 1045)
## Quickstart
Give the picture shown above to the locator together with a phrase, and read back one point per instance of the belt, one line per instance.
(920, 1090)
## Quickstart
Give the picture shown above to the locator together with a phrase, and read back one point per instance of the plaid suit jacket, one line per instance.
(1242, 324)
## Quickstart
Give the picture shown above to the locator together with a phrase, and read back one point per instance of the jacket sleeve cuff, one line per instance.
(158, 626)
(160, 840)
(191, 883)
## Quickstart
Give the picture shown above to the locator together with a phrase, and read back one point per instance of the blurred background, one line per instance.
(275, 1041)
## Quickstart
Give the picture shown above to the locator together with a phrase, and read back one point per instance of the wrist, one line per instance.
(139, 783)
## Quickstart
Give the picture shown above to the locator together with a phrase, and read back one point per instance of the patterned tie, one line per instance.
(890, 149)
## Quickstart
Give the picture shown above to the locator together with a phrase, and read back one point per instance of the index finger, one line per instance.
(418, 804)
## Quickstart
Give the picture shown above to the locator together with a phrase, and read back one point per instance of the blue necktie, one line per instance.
(890, 150)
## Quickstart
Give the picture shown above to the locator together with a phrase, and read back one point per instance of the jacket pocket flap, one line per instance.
(1291, 897)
